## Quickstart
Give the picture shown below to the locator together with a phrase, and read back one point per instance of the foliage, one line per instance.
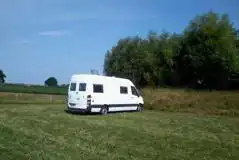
(94, 71)
(144, 61)
(208, 51)
(51, 81)
(2, 77)
(205, 55)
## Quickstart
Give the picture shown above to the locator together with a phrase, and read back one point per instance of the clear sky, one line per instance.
(42, 38)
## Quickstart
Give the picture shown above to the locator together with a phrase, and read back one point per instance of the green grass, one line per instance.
(36, 89)
(47, 132)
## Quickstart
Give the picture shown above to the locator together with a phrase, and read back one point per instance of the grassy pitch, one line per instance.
(47, 132)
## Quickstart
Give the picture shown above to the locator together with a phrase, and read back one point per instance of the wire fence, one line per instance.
(6, 97)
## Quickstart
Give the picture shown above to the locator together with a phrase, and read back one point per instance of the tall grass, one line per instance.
(201, 102)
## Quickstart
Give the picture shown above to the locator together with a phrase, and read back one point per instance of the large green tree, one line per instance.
(147, 61)
(130, 59)
(209, 52)
(51, 81)
(168, 46)
(2, 77)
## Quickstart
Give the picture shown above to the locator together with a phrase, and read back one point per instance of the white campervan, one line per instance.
(103, 94)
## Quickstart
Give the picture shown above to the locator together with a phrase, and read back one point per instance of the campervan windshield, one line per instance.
(72, 86)
(81, 86)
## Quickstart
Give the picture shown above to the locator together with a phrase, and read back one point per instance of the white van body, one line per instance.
(103, 94)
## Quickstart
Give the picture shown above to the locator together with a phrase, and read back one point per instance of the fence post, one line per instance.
(16, 96)
(50, 98)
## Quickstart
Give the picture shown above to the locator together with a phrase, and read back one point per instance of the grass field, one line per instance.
(47, 132)
(36, 89)
(174, 100)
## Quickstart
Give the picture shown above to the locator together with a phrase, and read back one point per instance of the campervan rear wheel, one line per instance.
(104, 111)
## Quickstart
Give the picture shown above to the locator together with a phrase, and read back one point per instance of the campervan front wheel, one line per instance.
(104, 110)
(140, 108)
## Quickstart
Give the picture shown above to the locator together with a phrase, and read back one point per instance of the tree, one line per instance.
(2, 77)
(51, 81)
(168, 46)
(94, 71)
(128, 59)
(144, 61)
(209, 52)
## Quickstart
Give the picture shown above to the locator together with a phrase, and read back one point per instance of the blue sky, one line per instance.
(42, 38)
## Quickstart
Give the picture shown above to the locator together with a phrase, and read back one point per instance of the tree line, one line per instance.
(51, 81)
(205, 55)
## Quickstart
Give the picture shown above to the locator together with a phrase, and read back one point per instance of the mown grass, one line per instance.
(27, 98)
(34, 89)
(47, 132)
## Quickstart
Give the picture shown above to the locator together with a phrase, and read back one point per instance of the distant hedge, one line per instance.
(36, 89)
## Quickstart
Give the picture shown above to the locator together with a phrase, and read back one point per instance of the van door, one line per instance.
(72, 93)
(134, 96)
(77, 95)
(124, 95)
(125, 98)
(98, 97)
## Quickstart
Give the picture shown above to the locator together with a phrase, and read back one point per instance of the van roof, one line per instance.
(89, 77)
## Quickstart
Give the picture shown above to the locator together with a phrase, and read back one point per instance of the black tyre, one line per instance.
(140, 108)
(104, 111)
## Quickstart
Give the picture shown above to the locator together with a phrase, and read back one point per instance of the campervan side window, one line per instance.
(82, 87)
(134, 91)
(72, 86)
(123, 90)
(98, 88)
